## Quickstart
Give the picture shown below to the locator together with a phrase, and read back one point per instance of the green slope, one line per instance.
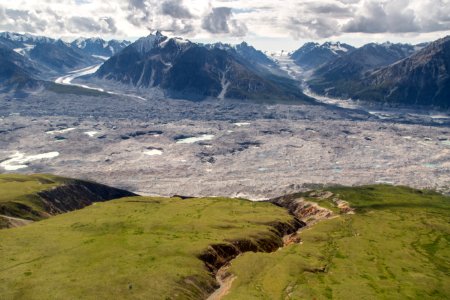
(396, 246)
(25, 198)
(19, 191)
(132, 248)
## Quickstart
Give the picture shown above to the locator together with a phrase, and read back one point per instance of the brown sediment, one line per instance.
(225, 280)
(218, 257)
(11, 222)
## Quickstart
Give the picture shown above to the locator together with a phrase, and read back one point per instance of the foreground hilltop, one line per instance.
(25, 199)
(364, 242)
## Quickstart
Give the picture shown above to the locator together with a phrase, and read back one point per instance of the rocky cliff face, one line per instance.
(306, 206)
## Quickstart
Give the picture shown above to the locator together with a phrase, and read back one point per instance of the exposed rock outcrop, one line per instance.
(217, 256)
(309, 211)
(11, 222)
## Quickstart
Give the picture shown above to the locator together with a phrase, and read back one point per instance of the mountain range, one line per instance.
(98, 47)
(385, 73)
(389, 74)
(195, 71)
(44, 58)
(16, 71)
(421, 79)
(336, 76)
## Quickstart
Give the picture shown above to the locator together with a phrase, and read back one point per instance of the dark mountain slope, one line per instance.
(188, 70)
(16, 72)
(343, 75)
(248, 56)
(59, 57)
(422, 79)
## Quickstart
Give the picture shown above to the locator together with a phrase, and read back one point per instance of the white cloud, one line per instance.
(298, 19)
(220, 20)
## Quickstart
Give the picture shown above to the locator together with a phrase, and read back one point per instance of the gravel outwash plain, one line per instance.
(221, 148)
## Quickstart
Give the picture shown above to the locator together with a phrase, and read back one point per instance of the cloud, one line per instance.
(86, 24)
(377, 17)
(400, 16)
(169, 15)
(21, 20)
(299, 19)
(312, 28)
(220, 21)
(335, 10)
(175, 9)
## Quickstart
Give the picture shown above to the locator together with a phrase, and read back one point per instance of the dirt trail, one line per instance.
(225, 280)
(15, 222)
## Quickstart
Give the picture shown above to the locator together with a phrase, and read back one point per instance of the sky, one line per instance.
(270, 25)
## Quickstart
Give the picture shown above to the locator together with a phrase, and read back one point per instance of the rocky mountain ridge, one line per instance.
(194, 71)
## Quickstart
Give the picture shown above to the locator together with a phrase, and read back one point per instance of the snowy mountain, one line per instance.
(190, 70)
(53, 57)
(313, 55)
(337, 77)
(421, 79)
(16, 72)
(60, 57)
(25, 38)
(249, 56)
(99, 47)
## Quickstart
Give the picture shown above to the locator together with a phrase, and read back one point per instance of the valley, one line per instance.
(169, 169)
(173, 143)
(164, 154)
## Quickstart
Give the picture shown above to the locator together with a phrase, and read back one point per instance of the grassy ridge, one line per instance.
(132, 248)
(19, 191)
(396, 246)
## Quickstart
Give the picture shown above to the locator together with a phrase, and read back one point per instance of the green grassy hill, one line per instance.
(25, 198)
(132, 248)
(20, 191)
(396, 246)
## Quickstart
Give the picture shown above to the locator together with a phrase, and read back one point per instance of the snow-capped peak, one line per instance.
(25, 38)
(80, 43)
(145, 44)
(180, 42)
